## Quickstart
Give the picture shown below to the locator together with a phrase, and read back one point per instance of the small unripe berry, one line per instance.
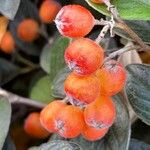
(33, 126)
(47, 115)
(28, 30)
(7, 43)
(101, 113)
(112, 77)
(74, 21)
(69, 122)
(81, 90)
(84, 56)
(93, 134)
(49, 10)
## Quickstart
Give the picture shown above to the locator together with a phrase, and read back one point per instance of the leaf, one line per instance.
(45, 58)
(57, 145)
(3, 26)
(26, 10)
(128, 9)
(58, 83)
(118, 136)
(9, 8)
(5, 116)
(7, 71)
(140, 27)
(138, 90)
(57, 56)
(138, 145)
(41, 90)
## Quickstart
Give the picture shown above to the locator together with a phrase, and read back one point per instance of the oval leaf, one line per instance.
(5, 116)
(9, 8)
(138, 90)
(41, 90)
(128, 9)
(5, 68)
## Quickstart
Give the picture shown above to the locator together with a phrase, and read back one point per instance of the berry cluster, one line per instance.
(89, 110)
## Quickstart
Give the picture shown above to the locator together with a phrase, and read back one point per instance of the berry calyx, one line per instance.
(69, 122)
(101, 113)
(93, 134)
(7, 44)
(74, 21)
(49, 10)
(28, 30)
(47, 115)
(112, 77)
(84, 56)
(33, 127)
(81, 90)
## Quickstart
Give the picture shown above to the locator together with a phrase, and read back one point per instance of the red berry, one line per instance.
(81, 90)
(74, 21)
(93, 134)
(7, 43)
(101, 113)
(33, 126)
(47, 116)
(112, 77)
(84, 56)
(49, 10)
(69, 122)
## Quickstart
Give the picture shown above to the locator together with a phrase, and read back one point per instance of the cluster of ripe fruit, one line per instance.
(89, 110)
(28, 29)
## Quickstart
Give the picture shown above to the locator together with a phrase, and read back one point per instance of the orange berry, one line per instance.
(28, 30)
(7, 43)
(47, 116)
(33, 126)
(81, 90)
(74, 21)
(101, 113)
(98, 1)
(112, 77)
(69, 122)
(93, 134)
(49, 10)
(84, 56)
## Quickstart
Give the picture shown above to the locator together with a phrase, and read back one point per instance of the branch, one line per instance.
(13, 98)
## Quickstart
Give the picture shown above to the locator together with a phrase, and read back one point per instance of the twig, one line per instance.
(13, 98)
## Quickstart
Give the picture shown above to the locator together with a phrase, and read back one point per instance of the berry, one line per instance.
(98, 1)
(28, 30)
(47, 116)
(49, 10)
(111, 78)
(69, 122)
(74, 21)
(7, 43)
(84, 56)
(101, 113)
(81, 90)
(93, 134)
(33, 126)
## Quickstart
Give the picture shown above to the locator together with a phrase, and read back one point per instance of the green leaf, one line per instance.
(41, 90)
(58, 83)
(9, 8)
(128, 9)
(118, 136)
(5, 116)
(140, 27)
(7, 71)
(57, 56)
(138, 90)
